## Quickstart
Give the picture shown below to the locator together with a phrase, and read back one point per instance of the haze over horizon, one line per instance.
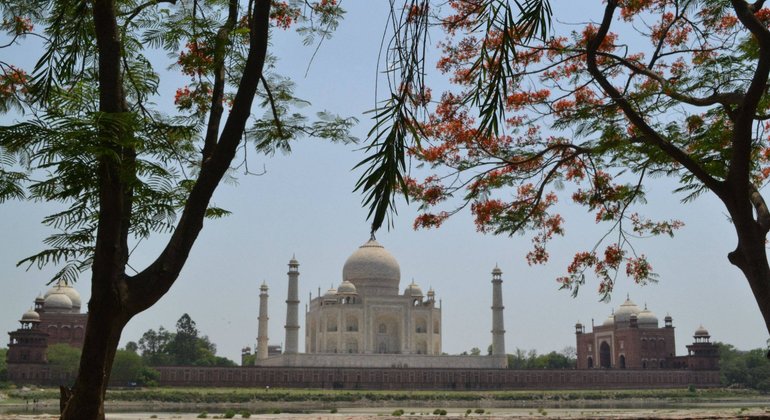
(303, 205)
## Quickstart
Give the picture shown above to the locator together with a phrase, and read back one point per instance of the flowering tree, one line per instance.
(674, 88)
(91, 138)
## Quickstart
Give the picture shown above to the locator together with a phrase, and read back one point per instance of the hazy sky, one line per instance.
(304, 205)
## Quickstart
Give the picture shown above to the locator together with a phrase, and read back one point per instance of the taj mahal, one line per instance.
(368, 322)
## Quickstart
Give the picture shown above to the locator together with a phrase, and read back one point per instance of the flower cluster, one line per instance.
(18, 25)
(196, 59)
(197, 99)
(13, 81)
(283, 15)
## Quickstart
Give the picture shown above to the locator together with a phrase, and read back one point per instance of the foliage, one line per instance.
(750, 369)
(3, 366)
(91, 138)
(539, 116)
(60, 134)
(531, 360)
(249, 359)
(63, 359)
(230, 413)
(129, 368)
(184, 347)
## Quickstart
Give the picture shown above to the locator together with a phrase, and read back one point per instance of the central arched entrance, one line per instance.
(605, 358)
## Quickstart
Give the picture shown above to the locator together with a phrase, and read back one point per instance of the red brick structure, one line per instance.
(631, 339)
(426, 378)
(55, 319)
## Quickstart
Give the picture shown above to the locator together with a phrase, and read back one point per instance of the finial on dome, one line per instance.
(372, 237)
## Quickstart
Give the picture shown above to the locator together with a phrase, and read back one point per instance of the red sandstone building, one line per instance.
(630, 338)
(55, 319)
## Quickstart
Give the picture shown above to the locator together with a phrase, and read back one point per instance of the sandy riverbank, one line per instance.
(458, 414)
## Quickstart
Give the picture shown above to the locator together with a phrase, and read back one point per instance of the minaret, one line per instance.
(262, 329)
(292, 309)
(498, 331)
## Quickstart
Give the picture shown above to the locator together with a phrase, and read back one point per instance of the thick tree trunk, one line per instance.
(105, 324)
(751, 258)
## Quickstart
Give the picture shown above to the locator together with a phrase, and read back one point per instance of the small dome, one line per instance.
(263, 287)
(331, 294)
(702, 332)
(431, 292)
(647, 319)
(39, 298)
(57, 302)
(610, 321)
(371, 266)
(497, 270)
(30, 316)
(413, 290)
(346, 287)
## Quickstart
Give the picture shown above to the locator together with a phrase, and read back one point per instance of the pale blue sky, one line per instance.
(304, 205)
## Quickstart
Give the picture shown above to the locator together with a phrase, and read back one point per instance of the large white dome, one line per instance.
(372, 268)
(624, 312)
(57, 302)
(72, 294)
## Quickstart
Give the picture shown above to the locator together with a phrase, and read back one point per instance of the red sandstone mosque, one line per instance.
(630, 338)
(55, 318)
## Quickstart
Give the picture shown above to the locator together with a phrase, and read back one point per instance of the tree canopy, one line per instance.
(3, 366)
(185, 347)
(749, 369)
(542, 115)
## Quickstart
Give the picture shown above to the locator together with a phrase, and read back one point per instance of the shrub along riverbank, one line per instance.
(246, 395)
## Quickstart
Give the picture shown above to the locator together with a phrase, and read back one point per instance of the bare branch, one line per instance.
(651, 136)
(273, 108)
(134, 13)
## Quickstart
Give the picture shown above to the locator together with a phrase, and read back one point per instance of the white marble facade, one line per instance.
(368, 321)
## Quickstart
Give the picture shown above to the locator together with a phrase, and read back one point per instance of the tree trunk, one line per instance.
(751, 258)
(105, 324)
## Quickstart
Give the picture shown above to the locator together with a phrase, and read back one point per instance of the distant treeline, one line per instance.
(744, 369)
(565, 359)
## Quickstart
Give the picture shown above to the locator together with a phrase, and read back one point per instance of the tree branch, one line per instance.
(154, 281)
(651, 136)
(740, 164)
(218, 90)
(728, 98)
(134, 13)
(273, 108)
